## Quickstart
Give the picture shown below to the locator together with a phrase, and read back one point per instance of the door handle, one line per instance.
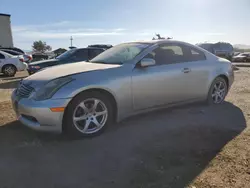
(186, 70)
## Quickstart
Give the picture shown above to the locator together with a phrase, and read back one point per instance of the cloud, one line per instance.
(61, 30)
(34, 35)
(58, 34)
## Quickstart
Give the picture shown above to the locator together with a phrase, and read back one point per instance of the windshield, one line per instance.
(66, 54)
(120, 53)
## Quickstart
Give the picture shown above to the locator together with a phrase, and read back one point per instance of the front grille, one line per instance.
(24, 90)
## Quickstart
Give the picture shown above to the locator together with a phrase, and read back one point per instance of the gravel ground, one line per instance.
(190, 146)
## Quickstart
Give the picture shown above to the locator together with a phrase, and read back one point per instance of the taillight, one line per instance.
(21, 59)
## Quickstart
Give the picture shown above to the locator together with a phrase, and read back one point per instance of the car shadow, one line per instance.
(166, 148)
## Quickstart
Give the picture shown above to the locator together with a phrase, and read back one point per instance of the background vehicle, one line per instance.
(242, 57)
(221, 49)
(38, 56)
(27, 58)
(9, 64)
(70, 56)
(131, 78)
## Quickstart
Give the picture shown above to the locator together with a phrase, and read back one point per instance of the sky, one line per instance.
(117, 21)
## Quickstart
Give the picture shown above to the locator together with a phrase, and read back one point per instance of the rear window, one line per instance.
(6, 54)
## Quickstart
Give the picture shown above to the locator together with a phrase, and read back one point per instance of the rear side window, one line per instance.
(2, 56)
(94, 52)
(196, 55)
(177, 50)
(81, 55)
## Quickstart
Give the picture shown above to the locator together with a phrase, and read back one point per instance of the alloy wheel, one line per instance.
(90, 116)
(219, 92)
(9, 70)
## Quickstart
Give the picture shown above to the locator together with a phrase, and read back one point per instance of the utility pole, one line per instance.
(71, 41)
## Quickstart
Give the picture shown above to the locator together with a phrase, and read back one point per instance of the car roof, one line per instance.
(161, 41)
(164, 41)
(13, 48)
(90, 48)
(94, 48)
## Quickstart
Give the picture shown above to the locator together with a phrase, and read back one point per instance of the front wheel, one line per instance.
(218, 91)
(88, 114)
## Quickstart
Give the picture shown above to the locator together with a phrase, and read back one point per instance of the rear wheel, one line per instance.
(218, 91)
(9, 70)
(88, 114)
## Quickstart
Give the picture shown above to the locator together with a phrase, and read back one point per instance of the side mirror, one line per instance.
(146, 62)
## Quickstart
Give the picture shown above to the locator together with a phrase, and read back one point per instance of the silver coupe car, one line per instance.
(131, 78)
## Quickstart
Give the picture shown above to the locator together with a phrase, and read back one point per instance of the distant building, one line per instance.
(6, 39)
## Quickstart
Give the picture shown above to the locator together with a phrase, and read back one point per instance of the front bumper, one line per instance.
(37, 114)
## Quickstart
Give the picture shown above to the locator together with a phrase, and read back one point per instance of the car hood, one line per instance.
(64, 70)
(43, 61)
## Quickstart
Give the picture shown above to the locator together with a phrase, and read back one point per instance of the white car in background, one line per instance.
(27, 58)
(9, 64)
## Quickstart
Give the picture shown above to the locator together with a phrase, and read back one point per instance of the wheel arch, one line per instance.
(225, 78)
(8, 65)
(103, 91)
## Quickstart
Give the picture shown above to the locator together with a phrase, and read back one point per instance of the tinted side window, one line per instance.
(2, 56)
(167, 54)
(94, 52)
(80, 55)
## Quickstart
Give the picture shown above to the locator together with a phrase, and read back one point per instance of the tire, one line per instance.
(221, 92)
(9, 70)
(88, 114)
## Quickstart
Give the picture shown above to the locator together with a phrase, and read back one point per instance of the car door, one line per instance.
(196, 69)
(162, 83)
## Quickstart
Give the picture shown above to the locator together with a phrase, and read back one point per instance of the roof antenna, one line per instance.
(159, 37)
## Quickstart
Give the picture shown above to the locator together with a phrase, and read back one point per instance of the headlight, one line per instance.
(48, 90)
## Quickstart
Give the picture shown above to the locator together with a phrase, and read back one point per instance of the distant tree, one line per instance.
(41, 46)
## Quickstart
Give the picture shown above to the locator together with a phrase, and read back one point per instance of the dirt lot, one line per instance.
(8, 84)
(192, 146)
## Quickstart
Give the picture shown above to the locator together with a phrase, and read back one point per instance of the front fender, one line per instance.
(119, 88)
